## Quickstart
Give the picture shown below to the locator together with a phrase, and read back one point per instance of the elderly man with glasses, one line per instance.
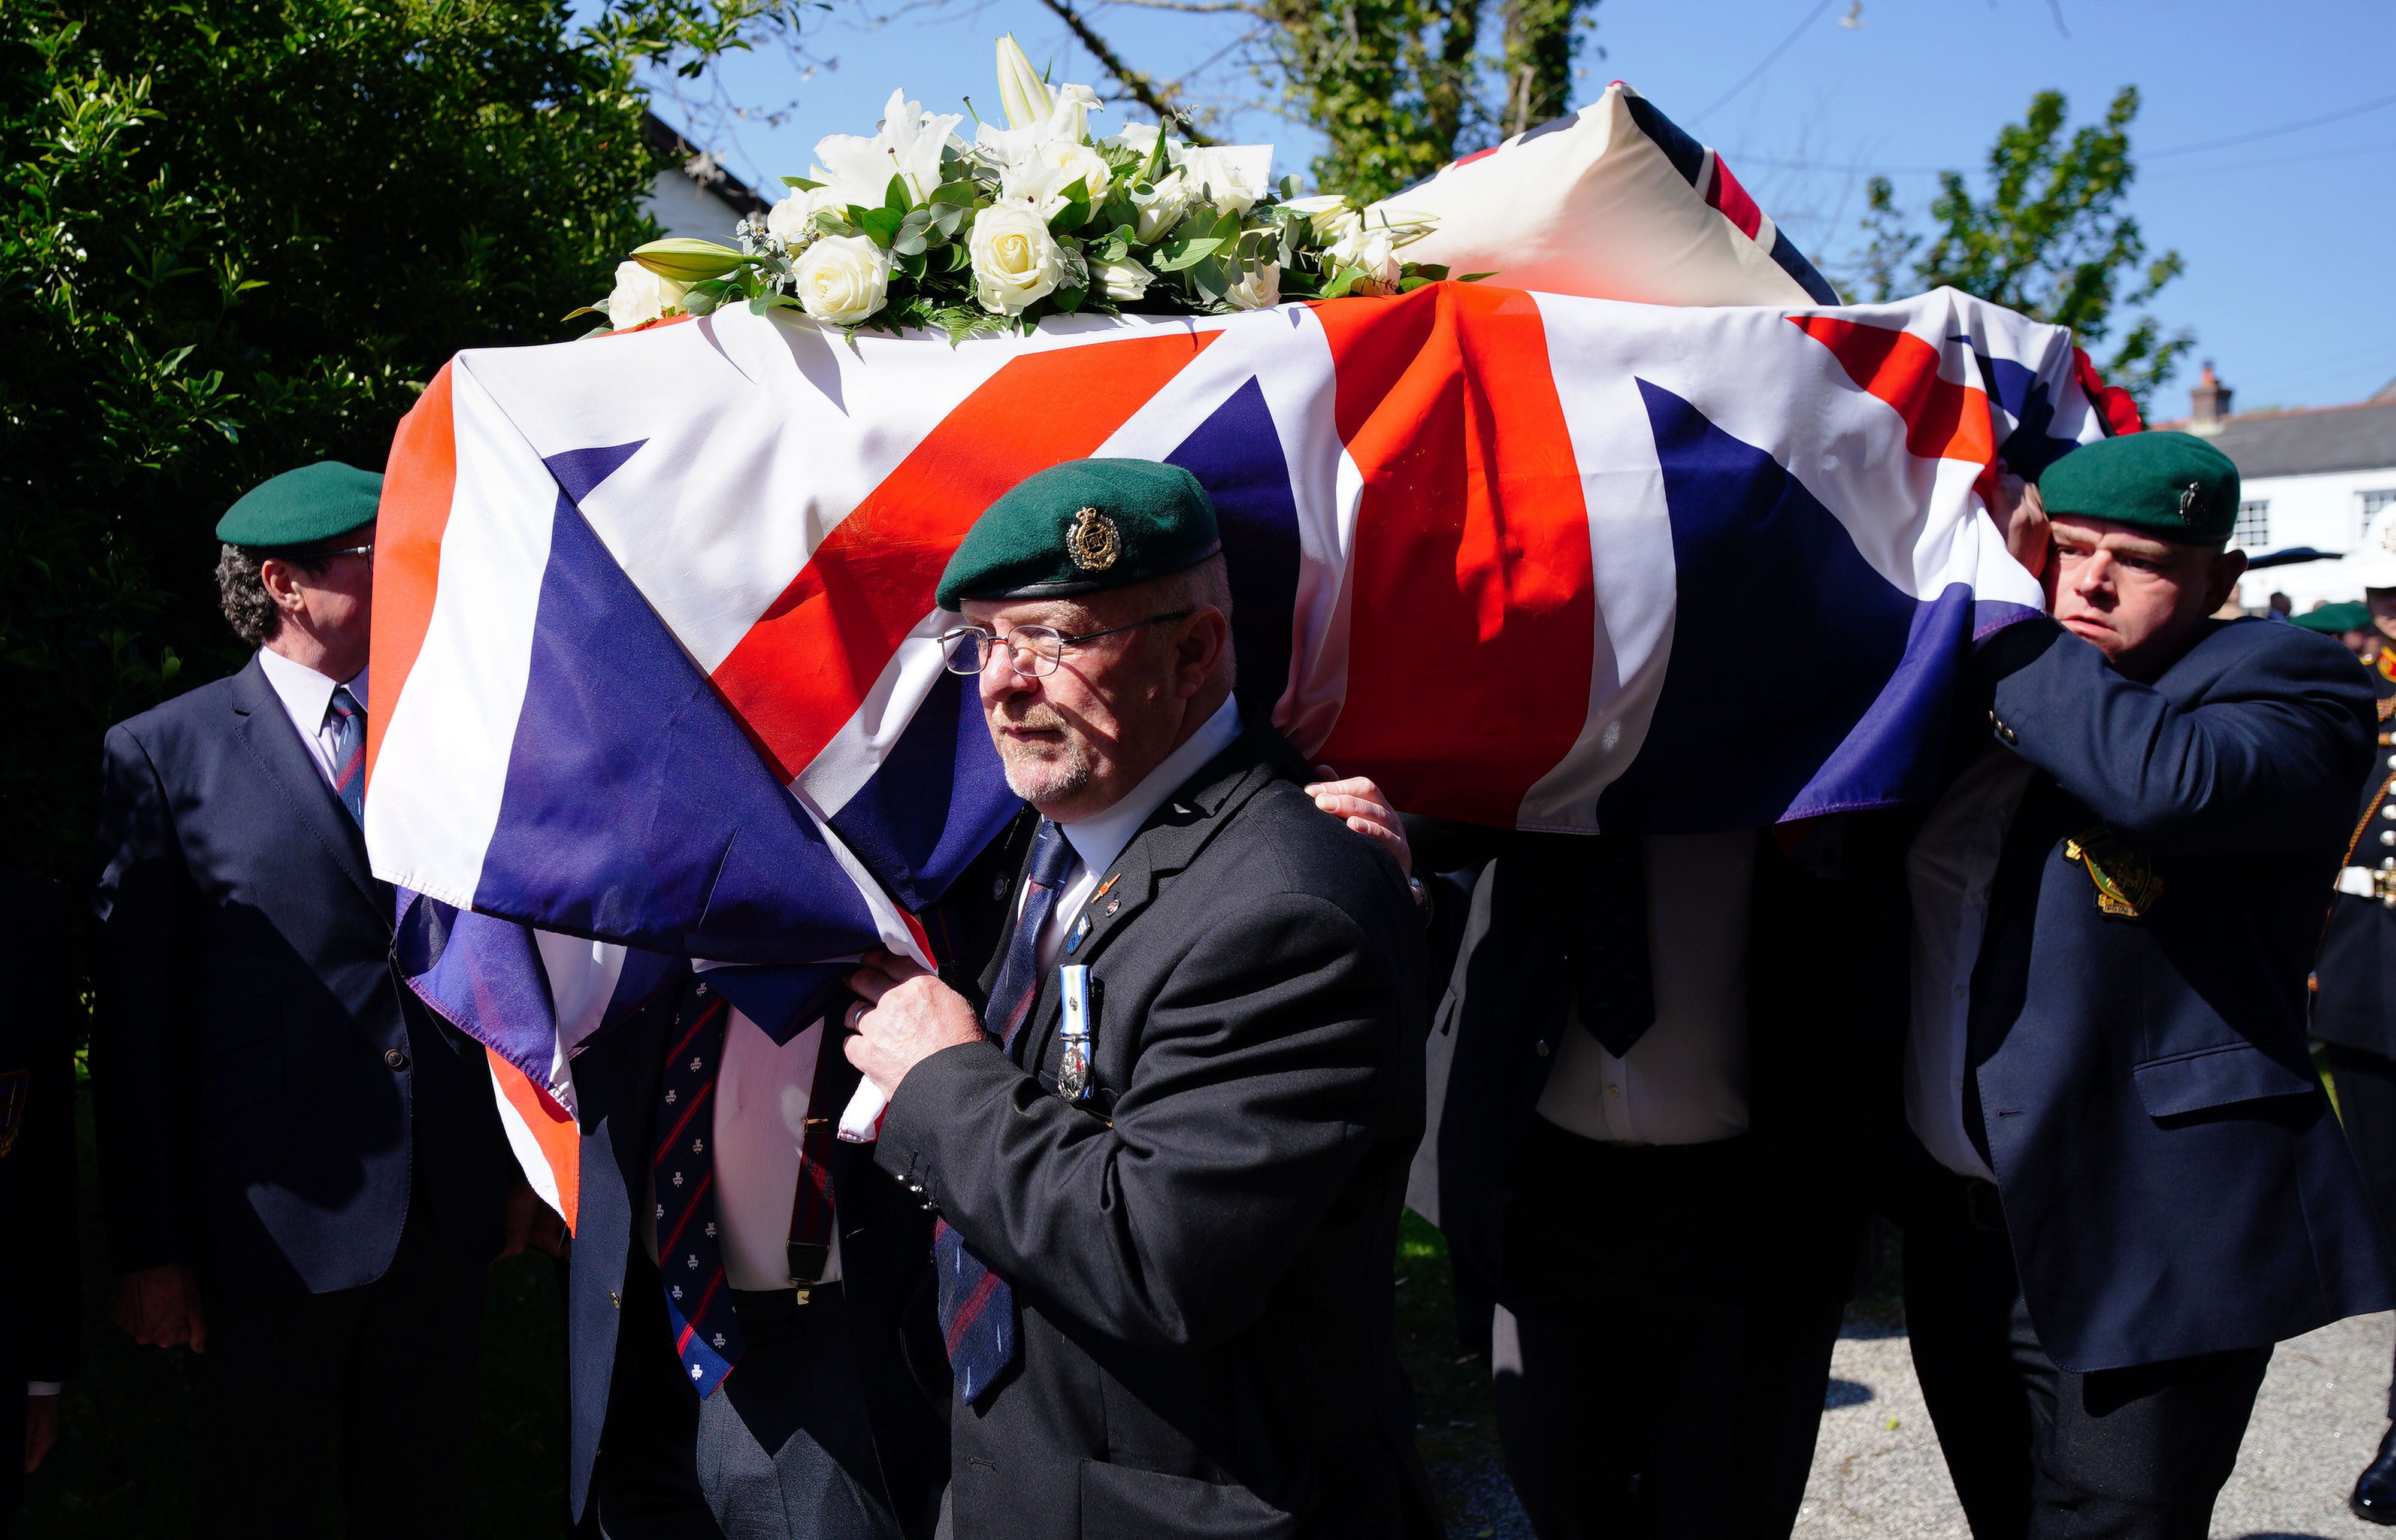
(304, 1171)
(1167, 1135)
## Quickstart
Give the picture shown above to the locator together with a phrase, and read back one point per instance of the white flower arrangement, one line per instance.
(919, 227)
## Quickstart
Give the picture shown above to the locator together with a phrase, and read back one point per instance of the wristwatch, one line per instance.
(1422, 894)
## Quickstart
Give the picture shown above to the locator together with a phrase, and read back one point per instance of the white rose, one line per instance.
(1374, 251)
(1258, 288)
(640, 296)
(1223, 183)
(843, 279)
(1121, 281)
(1160, 208)
(1016, 262)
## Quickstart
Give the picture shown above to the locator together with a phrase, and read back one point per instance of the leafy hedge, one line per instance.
(235, 237)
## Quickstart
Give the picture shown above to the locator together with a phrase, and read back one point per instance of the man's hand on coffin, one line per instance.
(1358, 801)
(904, 1016)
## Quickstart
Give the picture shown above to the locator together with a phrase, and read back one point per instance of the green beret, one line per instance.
(2336, 620)
(303, 507)
(1081, 527)
(2173, 485)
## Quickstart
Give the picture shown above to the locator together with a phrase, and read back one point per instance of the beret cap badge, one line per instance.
(1091, 541)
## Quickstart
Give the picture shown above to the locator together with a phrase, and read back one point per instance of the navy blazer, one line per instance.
(40, 1282)
(268, 1094)
(885, 1258)
(2174, 1179)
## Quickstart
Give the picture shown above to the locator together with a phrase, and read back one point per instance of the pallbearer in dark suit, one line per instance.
(734, 1364)
(2136, 1185)
(2354, 979)
(40, 1279)
(304, 1171)
(1169, 1145)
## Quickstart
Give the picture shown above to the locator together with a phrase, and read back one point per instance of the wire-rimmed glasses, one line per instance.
(1031, 651)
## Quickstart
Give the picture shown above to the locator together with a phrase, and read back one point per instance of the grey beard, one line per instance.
(1046, 779)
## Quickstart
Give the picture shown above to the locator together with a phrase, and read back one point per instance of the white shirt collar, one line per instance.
(1100, 838)
(306, 693)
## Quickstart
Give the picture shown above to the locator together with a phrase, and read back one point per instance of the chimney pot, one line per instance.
(2209, 402)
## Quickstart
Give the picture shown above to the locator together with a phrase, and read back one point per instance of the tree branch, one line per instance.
(1137, 84)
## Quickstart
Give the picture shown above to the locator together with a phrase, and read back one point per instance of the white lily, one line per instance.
(1020, 91)
(908, 147)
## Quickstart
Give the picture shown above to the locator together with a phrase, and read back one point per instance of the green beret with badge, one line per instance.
(305, 506)
(2171, 485)
(1083, 528)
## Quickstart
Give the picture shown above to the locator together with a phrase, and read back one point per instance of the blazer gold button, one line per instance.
(393, 1057)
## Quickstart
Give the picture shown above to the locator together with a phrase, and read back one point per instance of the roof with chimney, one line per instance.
(2307, 441)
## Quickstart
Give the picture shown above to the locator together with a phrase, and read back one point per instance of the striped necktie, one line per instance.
(977, 1306)
(691, 1254)
(349, 720)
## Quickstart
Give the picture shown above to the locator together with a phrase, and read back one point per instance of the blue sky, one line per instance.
(2289, 237)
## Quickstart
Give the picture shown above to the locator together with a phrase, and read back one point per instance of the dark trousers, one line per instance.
(372, 1385)
(2366, 1105)
(782, 1451)
(2038, 1452)
(1646, 1383)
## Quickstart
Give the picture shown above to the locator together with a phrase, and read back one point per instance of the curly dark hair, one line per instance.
(242, 591)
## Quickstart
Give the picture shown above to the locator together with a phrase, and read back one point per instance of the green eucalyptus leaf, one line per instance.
(1177, 255)
(1476, 277)
(1430, 272)
(801, 183)
(894, 195)
(1069, 300)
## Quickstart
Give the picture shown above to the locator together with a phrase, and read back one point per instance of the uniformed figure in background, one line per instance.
(2354, 980)
(2130, 1182)
(1168, 1145)
(40, 1295)
(304, 1174)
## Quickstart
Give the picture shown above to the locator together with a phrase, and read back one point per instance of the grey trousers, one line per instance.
(782, 1451)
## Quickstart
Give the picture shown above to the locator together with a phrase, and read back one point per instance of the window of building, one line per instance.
(2252, 531)
(2373, 502)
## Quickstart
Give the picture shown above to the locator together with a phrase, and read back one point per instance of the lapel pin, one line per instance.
(1104, 887)
(1081, 929)
(1114, 906)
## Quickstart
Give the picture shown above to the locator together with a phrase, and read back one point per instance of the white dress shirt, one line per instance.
(1099, 839)
(1951, 868)
(762, 1092)
(307, 696)
(1684, 1081)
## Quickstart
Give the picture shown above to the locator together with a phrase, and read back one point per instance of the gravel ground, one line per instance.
(1878, 1473)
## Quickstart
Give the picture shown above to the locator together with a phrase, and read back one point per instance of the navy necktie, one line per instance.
(976, 1307)
(1612, 982)
(349, 720)
(690, 1252)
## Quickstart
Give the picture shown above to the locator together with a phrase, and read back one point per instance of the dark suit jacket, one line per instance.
(40, 1304)
(1826, 964)
(1202, 1252)
(886, 1257)
(268, 1093)
(2354, 998)
(2173, 1180)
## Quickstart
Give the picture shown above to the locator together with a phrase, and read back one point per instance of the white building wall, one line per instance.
(685, 208)
(2324, 512)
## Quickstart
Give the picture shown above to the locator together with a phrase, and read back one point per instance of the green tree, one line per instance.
(2052, 239)
(1396, 87)
(239, 235)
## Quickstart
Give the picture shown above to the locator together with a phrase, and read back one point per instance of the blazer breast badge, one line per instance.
(2125, 879)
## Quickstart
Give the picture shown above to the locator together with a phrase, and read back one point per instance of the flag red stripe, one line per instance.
(1473, 610)
(805, 665)
(1943, 420)
(419, 484)
(1727, 195)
